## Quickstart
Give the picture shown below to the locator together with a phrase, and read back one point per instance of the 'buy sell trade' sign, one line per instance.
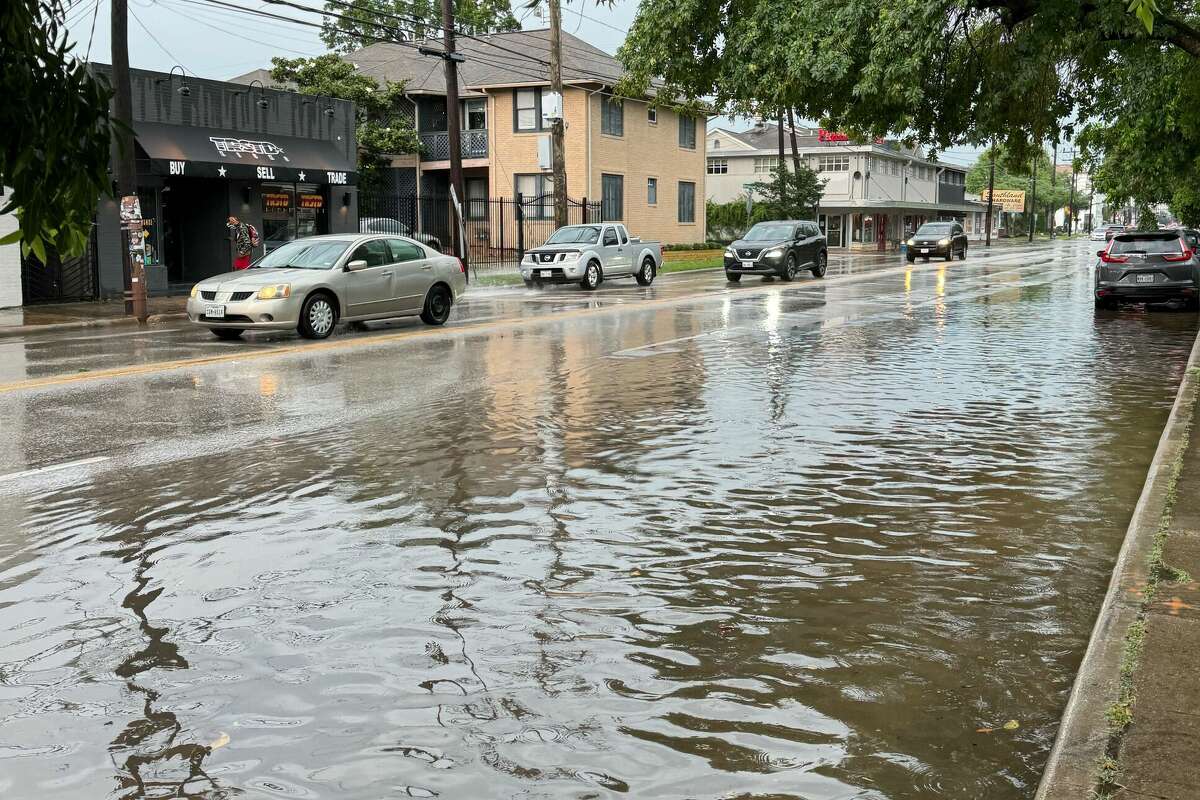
(1007, 199)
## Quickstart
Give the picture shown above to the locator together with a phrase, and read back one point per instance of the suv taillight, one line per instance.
(1110, 259)
(1186, 255)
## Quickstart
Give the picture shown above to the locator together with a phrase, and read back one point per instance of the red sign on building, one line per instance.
(831, 136)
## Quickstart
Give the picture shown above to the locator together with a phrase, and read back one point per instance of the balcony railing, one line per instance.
(436, 146)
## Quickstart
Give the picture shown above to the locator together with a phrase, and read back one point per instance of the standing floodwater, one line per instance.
(824, 542)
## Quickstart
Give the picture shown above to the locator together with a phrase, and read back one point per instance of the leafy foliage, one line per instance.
(55, 149)
(788, 195)
(347, 29)
(1013, 174)
(727, 221)
(381, 129)
(941, 72)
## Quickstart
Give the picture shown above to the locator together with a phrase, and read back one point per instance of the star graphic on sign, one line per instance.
(301, 174)
(221, 172)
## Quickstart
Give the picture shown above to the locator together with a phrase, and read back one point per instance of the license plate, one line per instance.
(1145, 279)
(747, 265)
(924, 249)
(214, 312)
(547, 273)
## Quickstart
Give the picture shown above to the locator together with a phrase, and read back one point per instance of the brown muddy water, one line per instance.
(822, 544)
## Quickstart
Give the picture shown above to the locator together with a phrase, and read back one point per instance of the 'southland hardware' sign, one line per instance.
(239, 147)
(1007, 199)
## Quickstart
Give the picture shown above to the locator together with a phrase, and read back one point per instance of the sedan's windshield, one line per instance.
(575, 234)
(934, 229)
(769, 232)
(305, 254)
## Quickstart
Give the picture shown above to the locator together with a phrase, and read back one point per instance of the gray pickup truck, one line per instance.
(589, 254)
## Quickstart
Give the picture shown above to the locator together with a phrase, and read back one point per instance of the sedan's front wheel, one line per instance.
(317, 317)
(437, 306)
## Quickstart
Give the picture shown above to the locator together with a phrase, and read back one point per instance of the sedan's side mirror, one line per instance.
(1100, 252)
(357, 263)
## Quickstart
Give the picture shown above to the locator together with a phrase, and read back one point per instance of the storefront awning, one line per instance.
(190, 152)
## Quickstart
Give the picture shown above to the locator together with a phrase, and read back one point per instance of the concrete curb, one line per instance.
(83, 324)
(1083, 733)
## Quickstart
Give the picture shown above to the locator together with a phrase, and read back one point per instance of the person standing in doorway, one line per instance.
(244, 238)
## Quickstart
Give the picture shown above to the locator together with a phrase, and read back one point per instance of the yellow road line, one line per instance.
(372, 341)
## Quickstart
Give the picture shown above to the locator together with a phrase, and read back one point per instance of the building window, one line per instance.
(612, 201)
(651, 191)
(687, 132)
(687, 201)
(527, 109)
(833, 164)
(895, 167)
(765, 165)
(476, 198)
(718, 166)
(474, 116)
(537, 195)
(612, 116)
(652, 115)
(716, 144)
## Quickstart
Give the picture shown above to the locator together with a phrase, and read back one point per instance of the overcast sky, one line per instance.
(210, 41)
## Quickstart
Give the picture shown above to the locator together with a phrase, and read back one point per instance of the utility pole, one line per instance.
(557, 124)
(1049, 204)
(124, 167)
(1033, 196)
(795, 148)
(453, 125)
(991, 191)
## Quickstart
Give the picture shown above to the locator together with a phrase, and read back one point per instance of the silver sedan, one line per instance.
(311, 284)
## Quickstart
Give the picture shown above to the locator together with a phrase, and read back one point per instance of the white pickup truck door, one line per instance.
(624, 251)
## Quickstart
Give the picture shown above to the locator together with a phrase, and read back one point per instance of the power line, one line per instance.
(92, 35)
(154, 38)
(194, 16)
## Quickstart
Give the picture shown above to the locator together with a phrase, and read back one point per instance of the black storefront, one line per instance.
(281, 161)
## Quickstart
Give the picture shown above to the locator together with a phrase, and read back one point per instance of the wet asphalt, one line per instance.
(829, 539)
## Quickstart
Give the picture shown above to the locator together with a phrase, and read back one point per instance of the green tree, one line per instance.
(55, 152)
(726, 221)
(1014, 174)
(788, 195)
(350, 24)
(1185, 203)
(381, 129)
(940, 72)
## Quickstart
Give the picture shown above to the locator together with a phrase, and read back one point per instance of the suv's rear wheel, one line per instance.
(1106, 304)
(962, 254)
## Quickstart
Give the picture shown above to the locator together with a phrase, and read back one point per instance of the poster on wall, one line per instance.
(311, 201)
(277, 202)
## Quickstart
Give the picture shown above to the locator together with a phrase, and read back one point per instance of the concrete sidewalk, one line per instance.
(1131, 728)
(65, 316)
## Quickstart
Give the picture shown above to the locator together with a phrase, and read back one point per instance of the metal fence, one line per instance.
(61, 280)
(498, 229)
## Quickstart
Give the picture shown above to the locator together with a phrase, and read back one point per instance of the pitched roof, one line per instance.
(496, 59)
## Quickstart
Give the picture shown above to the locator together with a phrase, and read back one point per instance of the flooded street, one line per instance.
(813, 540)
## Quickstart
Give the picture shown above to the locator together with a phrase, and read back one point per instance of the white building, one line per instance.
(10, 261)
(876, 194)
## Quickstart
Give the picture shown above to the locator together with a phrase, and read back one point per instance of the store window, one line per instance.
(291, 211)
(856, 225)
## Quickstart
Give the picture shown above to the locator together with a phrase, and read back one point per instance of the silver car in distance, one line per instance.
(311, 284)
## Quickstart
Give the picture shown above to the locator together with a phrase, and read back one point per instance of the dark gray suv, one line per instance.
(1148, 267)
(780, 248)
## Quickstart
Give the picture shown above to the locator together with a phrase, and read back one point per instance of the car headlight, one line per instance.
(276, 292)
(568, 256)
(195, 290)
(774, 252)
(943, 242)
(729, 253)
(911, 242)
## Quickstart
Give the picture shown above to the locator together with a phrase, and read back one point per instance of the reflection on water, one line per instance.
(793, 550)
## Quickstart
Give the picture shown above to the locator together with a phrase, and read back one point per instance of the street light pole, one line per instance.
(1033, 196)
